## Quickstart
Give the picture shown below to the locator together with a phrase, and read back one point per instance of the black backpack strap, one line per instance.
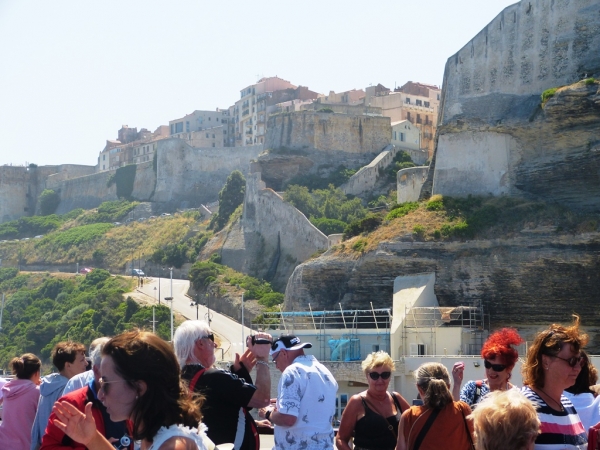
(398, 406)
(425, 428)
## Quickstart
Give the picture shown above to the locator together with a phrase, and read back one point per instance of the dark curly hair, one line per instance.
(143, 356)
(550, 342)
(501, 344)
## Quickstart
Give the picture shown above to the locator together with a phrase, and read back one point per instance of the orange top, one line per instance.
(447, 431)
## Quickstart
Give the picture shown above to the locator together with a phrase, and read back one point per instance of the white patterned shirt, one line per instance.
(307, 390)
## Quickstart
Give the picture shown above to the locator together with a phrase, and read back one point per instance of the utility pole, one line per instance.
(171, 299)
(1, 311)
(154, 319)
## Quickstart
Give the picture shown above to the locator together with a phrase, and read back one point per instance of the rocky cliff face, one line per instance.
(534, 279)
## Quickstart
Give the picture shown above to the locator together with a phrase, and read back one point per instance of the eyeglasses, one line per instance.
(275, 356)
(494, 367)
(573, 360)
(211, 336)
(375, 375)
(104, 385)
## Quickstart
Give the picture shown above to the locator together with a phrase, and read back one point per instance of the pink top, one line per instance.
(19, 405)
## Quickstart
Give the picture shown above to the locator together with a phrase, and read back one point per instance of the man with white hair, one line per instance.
(228, 394)
(306, 396)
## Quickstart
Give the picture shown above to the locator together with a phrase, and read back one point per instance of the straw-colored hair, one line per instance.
(505, 419)
(377, 359)
(434, 380)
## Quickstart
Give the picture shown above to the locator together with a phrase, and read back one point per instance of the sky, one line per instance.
(73, 72)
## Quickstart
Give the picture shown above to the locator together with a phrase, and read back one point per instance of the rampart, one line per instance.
(409, 182)
(272, 237)
(494, 136)
(15, 190)
(328, 132)
(189, 176)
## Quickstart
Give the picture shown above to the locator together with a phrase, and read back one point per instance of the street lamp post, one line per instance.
(171, 271)
(242, 319)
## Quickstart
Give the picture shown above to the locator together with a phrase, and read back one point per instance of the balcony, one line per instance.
(245, 112)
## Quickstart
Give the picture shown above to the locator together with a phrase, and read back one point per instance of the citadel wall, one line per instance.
(494, 136)
(409, 183)
(328, 132)
(14, 191)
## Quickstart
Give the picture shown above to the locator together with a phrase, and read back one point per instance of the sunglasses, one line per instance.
(494, 367)
(375, 375)
(211, 336)
(105, 385)
(275, 356)
(573, 360)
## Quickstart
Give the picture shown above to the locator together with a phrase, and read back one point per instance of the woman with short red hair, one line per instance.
(499, 358)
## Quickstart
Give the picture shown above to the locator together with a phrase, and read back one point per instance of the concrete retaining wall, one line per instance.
(409, 183)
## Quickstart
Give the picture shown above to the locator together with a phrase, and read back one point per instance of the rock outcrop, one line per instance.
(534, 279)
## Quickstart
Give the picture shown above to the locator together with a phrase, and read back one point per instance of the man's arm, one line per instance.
(262, 396)
(279, 418)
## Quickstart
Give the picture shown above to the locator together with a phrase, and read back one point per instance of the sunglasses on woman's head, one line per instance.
(494, 367)
(375, 375)
(211, 336)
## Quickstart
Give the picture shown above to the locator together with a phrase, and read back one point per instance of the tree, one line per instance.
(230, 197)
(49, 201)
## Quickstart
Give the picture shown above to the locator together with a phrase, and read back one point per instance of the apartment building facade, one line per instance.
(204, 128)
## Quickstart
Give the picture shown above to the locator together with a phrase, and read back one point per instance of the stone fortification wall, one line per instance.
(529, 47)
(272, 237)
(328, 132)
(365, 179)
(191, 176)
(495, 136)
(409, 183)
(83, 192)
(68, 171)
(14, 190)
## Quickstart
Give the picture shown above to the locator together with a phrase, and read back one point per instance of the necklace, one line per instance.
(376, 399)
(560, 406)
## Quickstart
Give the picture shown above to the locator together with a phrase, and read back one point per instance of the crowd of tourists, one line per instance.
(136, 391)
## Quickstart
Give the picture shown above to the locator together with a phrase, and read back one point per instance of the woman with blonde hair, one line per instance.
(372, 416)
(20, 401)
(505, 419)
(553, 363)
(440, 422)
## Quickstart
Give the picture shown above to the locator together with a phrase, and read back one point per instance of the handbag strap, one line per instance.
(425, 428)
(467, 430)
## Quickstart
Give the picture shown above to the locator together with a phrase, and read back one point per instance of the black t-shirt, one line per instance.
(226, 394)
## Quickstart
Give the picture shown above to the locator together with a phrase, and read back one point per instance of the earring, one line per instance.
(136, 397)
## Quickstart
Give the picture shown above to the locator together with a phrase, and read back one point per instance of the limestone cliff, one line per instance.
(536, 278)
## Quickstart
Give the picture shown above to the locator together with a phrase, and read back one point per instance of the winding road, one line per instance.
(226, 329)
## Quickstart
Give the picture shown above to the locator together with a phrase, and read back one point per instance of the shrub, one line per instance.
(360, 245)
(49, 201)
(109, 212)
(548, 94)
(271, 299)
(329, 226)
(230, 197)
(589, 81)
(366, 225)
(203, 271)
(401, 210)
(77, 236)
(437, 234)
(419, 230)
(435, 203)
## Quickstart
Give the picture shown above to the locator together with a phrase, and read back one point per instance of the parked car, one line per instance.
(86, 270)
(152, 217)
(137, 273)
(165, 214)
(129, 220)
(116, 224)
(141, 219)
(25, 239)
(39, 236)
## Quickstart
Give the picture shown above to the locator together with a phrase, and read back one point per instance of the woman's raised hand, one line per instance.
(81, 427)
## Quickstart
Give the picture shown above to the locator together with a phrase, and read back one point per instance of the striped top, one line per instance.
(559, 429)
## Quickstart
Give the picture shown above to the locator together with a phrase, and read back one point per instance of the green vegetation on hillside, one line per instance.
(316, 181)
(41, 310)
(178, 253)
(447, 218)
(402, 160)
(109, 212)
(329, 209)
(206, 273)
(230, 197)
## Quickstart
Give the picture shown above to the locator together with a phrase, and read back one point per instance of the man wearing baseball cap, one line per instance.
(305, 405)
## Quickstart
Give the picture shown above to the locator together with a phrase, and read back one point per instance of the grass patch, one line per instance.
(548, 94)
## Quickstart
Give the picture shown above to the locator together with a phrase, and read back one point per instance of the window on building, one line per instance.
(426, 104)
(427, 120)
(407, 100)
(103, 157)
(438, 96)
(408, 116)
(206, 134)
(419, 103)
(402, 139)
(172, 128)
(209, 119)
(187, 126)
(395, 135)
(213, 144)
(419, 118)
(179, 127)
(213, 135)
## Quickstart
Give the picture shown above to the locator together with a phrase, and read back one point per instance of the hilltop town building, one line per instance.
(415, 102)
(204, 128)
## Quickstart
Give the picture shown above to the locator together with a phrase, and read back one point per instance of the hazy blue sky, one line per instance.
(74, 71)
